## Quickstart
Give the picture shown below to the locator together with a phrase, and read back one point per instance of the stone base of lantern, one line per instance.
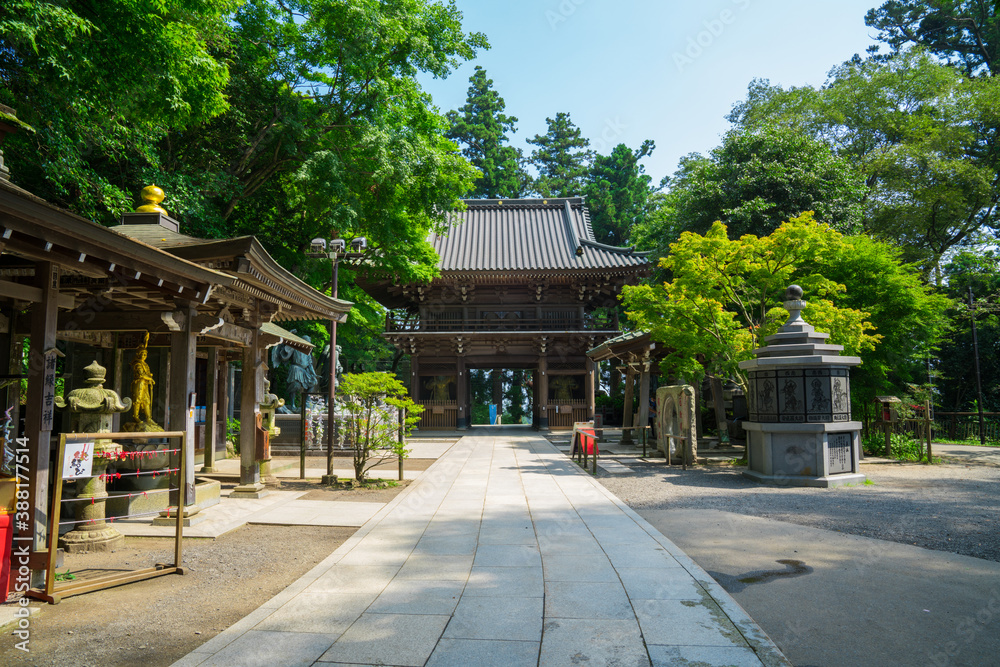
(822, 455)
(168, 517)
(248, 491)
(99, 538)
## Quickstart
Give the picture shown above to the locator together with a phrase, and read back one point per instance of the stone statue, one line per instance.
(324, 367)
(301, 374)
(142, 392)
(438, 386)
(92, 407)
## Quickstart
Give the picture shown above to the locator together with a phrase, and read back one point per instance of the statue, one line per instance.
(142, 392)
(301, 374)
(564, 387)
(324, 367)
(92, 407)
(438, 386)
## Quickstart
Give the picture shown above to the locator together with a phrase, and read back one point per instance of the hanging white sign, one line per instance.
(78, 460)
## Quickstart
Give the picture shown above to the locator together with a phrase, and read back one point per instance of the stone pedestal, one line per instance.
(800, 431)
(253, 491)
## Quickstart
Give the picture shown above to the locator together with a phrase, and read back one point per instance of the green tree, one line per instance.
(618, 192)
(761, 176)
(562, 158)
(483, 130)
(372, 402)
(102, 84)
(910, 317)
(955, 363)
(660, 226)
(721, 300)
(966, 33)
(920, 134)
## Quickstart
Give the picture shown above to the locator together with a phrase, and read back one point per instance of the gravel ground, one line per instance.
(947, 507)
(158, 621)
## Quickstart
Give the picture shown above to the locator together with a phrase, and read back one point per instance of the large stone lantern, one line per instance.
(92, 408)
(800, 431)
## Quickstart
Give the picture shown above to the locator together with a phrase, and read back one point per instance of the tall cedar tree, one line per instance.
(482, 129)
(561, 158)
(618, 192)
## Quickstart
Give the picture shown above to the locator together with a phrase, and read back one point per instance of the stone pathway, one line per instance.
(502, 553)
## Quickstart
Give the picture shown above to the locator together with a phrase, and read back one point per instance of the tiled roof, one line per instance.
(527, 235)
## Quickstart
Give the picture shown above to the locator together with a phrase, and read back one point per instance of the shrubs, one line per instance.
(904, 447)
(372, 402)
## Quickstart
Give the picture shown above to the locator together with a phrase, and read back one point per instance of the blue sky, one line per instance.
(632, 70)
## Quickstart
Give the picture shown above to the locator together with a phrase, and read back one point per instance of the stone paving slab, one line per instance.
(276, 508)
(504, 552)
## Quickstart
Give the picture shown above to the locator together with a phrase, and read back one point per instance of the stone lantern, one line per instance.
(800, 431)
(92, 408)
(268, 407)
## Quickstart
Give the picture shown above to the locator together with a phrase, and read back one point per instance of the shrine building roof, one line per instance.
(528, 235)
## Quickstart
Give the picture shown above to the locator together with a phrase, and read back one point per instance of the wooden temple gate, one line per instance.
(522, 285)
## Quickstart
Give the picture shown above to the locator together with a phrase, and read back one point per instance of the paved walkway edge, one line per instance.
(767, 651)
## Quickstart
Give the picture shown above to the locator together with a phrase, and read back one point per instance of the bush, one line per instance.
(372, 402)
(904, 447)
(232, 437)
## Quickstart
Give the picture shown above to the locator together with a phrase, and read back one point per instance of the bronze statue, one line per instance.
(438, 387)
(142, 385)
(564, 387)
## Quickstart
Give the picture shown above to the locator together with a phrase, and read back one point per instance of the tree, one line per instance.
(483, 130)
(965, 33)
(716, 306)
(372, 402)
(761, 176)
(618, 191)
(920, 135)
(561, 158)
(102, 84)
(660, 226)
(910, 317)
(955, 362)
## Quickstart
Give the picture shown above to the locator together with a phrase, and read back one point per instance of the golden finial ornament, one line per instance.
(152, 195)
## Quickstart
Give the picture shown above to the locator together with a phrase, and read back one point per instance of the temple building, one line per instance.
(522, 285)
(73, 292)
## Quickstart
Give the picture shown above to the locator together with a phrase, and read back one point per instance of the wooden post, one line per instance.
(590, 388)
(39, 410)
(463, 418)
(182, 385)
(402, 438)
(250, 484)
(644, 395)
(302, 435)
(928, 424)
(211, 408)
(888, 439)
(627, 408)
(543, 392)
(720, 409)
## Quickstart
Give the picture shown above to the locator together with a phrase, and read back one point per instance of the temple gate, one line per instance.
(522, 285)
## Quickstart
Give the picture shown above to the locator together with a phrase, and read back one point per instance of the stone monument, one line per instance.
(92, 408)
(800, 431)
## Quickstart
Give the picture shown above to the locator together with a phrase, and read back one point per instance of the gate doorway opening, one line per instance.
(511, 390)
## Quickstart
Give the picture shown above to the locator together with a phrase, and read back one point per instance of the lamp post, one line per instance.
(336, 251)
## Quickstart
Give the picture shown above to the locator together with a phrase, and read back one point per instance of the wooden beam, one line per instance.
(23, 292)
